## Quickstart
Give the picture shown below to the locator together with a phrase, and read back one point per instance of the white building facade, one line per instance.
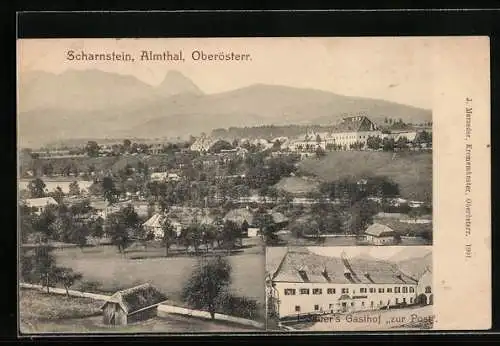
(306, 283)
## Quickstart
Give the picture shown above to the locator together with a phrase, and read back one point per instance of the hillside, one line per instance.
(411, 171)
(96, 104)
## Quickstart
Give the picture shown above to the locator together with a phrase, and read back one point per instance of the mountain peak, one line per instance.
(176, 83)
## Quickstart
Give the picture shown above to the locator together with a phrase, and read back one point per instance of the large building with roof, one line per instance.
(306, 283)
(349, 131)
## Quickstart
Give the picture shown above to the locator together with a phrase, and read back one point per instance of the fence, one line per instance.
(163, 309)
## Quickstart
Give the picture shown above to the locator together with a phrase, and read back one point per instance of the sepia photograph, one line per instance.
(352, 288)
(229, 185)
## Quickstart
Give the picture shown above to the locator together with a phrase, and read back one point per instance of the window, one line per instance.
(397, 289)
(389, 290)
(330, 290)
(397, 300)
(411, 300)
(380, 290)
(297, 308)
(405, 289)
(428, 289)
(381, 303)
(371, 304)
(316, 307)
(362, 290)
(304, 291)
(345, 290)
(372, 290)
(352, 304)
(412, 290)
(289, 291)
(317, 291)
(404, 300)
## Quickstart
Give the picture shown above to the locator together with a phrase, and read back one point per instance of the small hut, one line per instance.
(131, 305)
(378, 234)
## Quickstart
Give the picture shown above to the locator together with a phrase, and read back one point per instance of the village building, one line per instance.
(155, 149)
(241, 216)
(158, 176)
(38, 205)
(155, 225)
(349, 131)
(378, 234)
(132, 305)
(164, 176)
(424, 288)
(305, 283)
(203, 143)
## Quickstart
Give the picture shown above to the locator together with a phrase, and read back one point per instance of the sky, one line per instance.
(389, 68)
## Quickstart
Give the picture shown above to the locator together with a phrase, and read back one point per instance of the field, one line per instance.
(412, 171)
(297, 186)
(113, 271)
(50, 313)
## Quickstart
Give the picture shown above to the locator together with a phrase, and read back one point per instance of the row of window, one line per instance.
(352, 304)
(319, 291)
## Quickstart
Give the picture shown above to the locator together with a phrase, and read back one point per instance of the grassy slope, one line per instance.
(50, 313)
(114, 272)
(35, 306)
(412, 171)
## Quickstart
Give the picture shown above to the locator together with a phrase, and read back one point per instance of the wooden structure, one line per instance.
(132, 305)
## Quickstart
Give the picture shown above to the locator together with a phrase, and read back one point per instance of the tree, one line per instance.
(44, 265)
(58, 194)
(402, 143)
(169, 235)
(373, 142)
(388, 144)
(362, 214)
(126, 145)
(123, 227)
(74, 188)
(109, 190)
(92, 149)
(67, 277)
(231, 232)
(207, 284)
(320, 152)
(36, 188)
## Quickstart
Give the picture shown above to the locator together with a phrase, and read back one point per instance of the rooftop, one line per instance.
(137, 298)
(379, 230)
(304, 266)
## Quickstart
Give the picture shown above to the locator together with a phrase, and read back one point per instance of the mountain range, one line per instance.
(97, 104)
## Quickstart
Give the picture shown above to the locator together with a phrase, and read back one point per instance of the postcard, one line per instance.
(253, 185)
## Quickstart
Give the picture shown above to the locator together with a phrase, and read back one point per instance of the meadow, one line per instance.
(50, 313)
(412, 171)
(110, 271)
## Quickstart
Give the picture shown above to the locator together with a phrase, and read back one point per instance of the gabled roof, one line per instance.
(155, 221)
(137, 298)
(279, 217)
(357, 270)
(40, 202)
(239, 216)
(379, 230)
(355, 124)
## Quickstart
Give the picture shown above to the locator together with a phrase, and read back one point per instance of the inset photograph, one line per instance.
(351, 288)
